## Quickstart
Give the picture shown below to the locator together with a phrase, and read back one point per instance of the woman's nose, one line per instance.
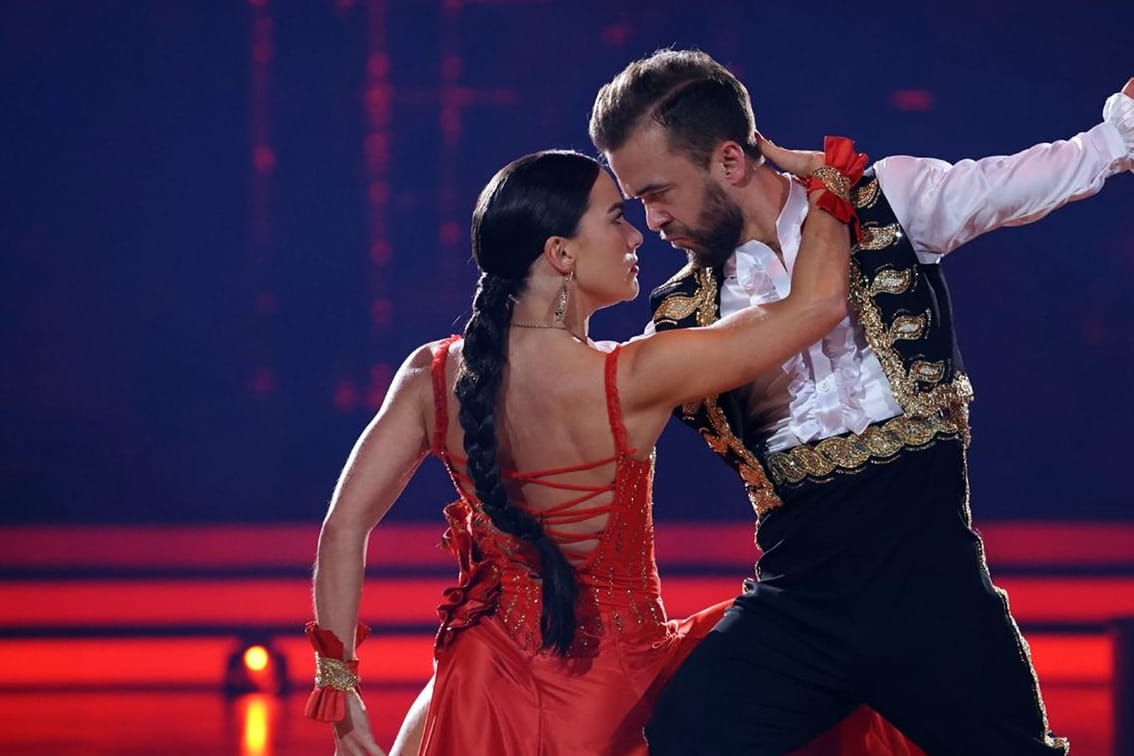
(636, 237)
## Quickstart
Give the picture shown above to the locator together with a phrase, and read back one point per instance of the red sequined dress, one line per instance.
(495, 692)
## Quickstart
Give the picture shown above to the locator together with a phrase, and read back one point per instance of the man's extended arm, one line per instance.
(941, 205)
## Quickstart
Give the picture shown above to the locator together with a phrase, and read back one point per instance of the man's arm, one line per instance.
(941, 205)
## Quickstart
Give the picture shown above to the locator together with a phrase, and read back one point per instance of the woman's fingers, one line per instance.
(800, 162)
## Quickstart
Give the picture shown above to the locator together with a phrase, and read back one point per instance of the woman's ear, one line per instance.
(559, 255)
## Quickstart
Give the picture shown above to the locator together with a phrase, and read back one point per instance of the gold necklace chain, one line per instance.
(552, 327)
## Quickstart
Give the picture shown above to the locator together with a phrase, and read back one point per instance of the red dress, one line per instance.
(496, 693)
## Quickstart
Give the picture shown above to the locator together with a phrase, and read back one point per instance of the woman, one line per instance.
(555, 640)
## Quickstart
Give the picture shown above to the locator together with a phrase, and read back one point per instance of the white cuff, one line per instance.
(1118, 114)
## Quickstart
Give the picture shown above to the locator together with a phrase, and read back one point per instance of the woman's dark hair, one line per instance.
(535, 197)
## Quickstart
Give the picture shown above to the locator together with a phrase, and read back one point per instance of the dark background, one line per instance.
(224, 225)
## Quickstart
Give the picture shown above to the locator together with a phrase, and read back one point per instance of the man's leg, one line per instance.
(956, 676)
(789, 661)
(761, 683)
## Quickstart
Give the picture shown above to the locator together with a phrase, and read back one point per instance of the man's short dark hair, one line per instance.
(695, 99)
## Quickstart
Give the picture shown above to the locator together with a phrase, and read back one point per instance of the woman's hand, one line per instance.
(352, 735)
(800, 162)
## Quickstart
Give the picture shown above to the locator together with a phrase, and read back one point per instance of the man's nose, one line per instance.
(655, 218)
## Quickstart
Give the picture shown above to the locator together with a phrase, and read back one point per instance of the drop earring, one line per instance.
(561, 310)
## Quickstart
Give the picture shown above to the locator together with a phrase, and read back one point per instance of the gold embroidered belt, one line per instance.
(852, 451)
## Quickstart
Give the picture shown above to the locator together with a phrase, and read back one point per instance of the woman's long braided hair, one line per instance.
(535, 197)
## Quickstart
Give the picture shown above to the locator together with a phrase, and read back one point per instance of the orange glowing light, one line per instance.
(256, 736)
(256, 658)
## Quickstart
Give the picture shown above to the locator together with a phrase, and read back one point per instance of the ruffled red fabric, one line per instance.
(329, 704)
(477, 592)
(839, 153)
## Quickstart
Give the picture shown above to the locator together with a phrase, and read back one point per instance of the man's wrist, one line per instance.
(1118, 130)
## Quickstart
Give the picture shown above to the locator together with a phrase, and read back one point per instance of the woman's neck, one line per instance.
(536, 312)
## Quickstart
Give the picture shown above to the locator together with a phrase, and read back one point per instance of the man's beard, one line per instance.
(718, 230)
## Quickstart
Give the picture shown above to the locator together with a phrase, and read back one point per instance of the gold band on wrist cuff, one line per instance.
(334, 673)
(835, 182)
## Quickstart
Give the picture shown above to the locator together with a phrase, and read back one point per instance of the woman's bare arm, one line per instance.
(676, 366)
(383, 460)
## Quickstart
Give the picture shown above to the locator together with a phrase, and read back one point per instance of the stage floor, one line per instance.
(115, 640)
(144, 723)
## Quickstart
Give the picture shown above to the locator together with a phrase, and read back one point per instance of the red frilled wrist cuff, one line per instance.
(334, 676)
(842, 170)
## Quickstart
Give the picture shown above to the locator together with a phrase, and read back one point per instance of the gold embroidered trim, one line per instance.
(707, 315)
(1022, 646)
(334, 673)
(891, 282)
(760, 491)
(908, 327)
(719, 437)
(928, 372)
(865, 195)
(946, 398)
(1025, 653)
(703, 302)
(875, 237)
(848, 453)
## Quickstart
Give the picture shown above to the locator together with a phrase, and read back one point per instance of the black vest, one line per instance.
(902, 306)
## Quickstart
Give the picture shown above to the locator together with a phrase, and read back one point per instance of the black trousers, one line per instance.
(873, 589)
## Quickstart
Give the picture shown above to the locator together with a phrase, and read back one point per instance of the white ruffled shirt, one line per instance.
(837, 385)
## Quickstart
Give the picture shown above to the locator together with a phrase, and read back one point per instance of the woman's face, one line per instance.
(606, 244)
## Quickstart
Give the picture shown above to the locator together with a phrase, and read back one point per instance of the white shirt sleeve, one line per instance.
(941, 205)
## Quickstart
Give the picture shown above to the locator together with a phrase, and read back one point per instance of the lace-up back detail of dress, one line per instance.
(597, 512)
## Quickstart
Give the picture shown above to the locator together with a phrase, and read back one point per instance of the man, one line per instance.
(872, 587)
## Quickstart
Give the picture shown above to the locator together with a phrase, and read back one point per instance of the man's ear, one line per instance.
(559, 255)
(729, 163)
